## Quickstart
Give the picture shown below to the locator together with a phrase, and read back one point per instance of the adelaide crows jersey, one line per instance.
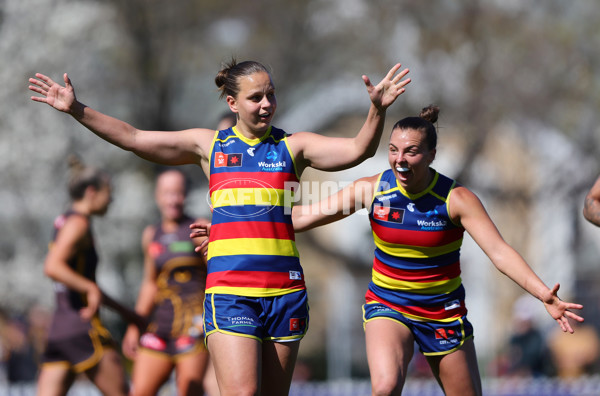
(416, 269)
(252, 250)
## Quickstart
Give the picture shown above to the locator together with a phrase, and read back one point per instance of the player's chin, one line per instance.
(262, 126)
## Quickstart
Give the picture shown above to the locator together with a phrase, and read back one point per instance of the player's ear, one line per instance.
(232, 103)
(432, 155)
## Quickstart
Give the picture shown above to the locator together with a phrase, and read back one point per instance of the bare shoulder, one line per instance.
(74, 230)
(77, 223)
(299, 141)
(460, 193)
(202, 136)
(462, 201)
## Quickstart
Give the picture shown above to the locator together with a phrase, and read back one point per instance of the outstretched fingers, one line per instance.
(389, 88)
(398, 78)
(393, 71)
(67, 80)
(574, 316)
(564, 325)
(39, 85)
(367, 81)
(565, 311)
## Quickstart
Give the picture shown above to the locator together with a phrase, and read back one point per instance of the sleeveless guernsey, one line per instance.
(66, 320)
(180, 281)
(416, 269)
(252, 250)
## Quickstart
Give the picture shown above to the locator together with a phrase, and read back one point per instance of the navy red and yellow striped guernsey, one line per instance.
(252, 250)
(416, 269)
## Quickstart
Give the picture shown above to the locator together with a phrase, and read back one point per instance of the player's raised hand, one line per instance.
(385, 93)
(561, 310)
(53, 94)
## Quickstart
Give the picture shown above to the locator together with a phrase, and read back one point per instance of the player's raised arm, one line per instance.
(327, 153)
(170, 148)
(470, 212)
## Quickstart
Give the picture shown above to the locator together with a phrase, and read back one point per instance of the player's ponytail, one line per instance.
(227, 79)
(423, 123)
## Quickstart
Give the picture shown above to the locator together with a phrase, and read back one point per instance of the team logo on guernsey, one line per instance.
(228, 160)
(384, 213)
(250, 151)
(272, 155)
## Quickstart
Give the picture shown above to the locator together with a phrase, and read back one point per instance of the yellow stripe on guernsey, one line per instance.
(251, 196)
(437, 287)
(415, 251)
(257, 246)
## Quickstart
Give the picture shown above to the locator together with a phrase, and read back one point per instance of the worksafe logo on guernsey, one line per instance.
(228, 160)
(273, 165)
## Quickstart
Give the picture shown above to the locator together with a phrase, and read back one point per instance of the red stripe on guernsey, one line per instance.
(426, 275)
(252, 229)
(435, 313)
(251, 180)
(416, 238)
(250, 279)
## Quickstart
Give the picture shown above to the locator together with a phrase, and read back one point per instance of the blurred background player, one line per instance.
(77, 340)
(591, 207)
(171, 296)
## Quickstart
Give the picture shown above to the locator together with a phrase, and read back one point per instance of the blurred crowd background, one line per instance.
(518, 84)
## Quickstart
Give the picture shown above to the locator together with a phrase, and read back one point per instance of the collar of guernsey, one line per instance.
(252, 249)
(416, 268)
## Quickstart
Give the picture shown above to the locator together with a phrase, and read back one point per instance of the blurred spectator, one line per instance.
(302, 372)
(3, 348)
(528, 353)
(25, 338)
(576, 354)
(21, 363)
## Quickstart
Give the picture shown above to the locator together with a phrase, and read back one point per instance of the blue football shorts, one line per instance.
(433, 337)
(279, 318)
